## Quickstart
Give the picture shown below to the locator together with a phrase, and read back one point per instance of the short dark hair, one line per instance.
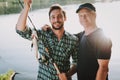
(56, 6)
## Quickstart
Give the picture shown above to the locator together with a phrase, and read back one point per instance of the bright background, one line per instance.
(16, 54)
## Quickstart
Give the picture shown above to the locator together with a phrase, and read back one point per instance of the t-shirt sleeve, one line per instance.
(104, 49)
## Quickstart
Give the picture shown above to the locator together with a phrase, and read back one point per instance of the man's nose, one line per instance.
(56, 19)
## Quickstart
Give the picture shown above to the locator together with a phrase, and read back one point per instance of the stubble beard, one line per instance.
(57, 28)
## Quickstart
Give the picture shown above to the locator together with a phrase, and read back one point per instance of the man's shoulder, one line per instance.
(79, 35)
(43, 32)
(71, 36)
(102, 36)
(102, 39)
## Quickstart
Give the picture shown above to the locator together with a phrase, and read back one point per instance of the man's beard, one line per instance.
(57, 28)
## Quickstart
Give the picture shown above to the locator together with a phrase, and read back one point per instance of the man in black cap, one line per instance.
(94, 49)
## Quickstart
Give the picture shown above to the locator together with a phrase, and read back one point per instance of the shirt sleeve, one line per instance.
(26, 33)
(74, 53)
(104, 49)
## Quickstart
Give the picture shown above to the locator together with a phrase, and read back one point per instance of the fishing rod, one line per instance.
(34, 37)
(35, 40)
(28, 15)
(55, 65)
(51, 59)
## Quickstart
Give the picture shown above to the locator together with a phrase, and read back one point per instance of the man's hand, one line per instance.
(28, 3)
(46, 27)
(62, 76)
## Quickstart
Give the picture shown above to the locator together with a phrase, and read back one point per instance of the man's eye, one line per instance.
(52, 17)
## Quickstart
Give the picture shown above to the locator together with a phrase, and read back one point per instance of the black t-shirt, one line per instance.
(92, 47)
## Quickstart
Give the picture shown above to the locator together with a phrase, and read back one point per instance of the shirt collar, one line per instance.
(52, 33)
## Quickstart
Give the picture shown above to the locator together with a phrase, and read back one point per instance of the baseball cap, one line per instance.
(86, 5)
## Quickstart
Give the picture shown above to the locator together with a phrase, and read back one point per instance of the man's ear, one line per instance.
(95, 14)
(65, 19)
(49, 20)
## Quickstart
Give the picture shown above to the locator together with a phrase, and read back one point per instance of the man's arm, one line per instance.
(71, 71)
(21, 24)
(73, 68)
(65, 76)
(102, 70)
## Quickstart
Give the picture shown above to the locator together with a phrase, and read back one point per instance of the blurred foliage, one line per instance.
(7, 76)
(13, 6)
